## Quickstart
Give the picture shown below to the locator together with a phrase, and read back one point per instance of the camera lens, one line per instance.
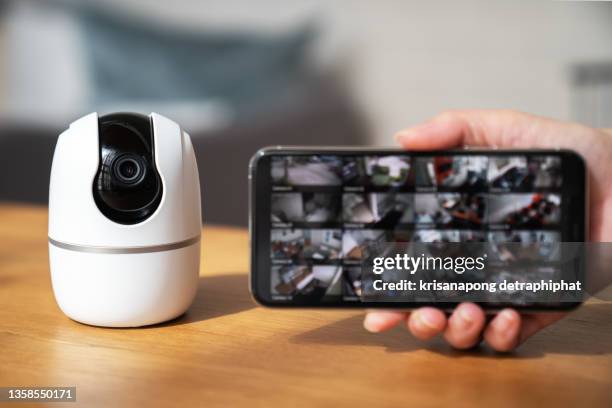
(129, 169)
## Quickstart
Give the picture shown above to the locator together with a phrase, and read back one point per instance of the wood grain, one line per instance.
(226, 351)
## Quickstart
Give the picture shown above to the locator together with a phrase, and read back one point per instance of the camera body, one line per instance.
(124, 220)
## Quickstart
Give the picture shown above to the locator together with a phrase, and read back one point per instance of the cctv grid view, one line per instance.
(328, 211)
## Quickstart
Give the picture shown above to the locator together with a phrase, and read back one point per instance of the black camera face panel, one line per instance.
(127, 187)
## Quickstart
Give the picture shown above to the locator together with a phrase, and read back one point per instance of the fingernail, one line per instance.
(399, 136)
(465, 317)
(425, 321)
(411, 131)
(372, 323)
(503, 321)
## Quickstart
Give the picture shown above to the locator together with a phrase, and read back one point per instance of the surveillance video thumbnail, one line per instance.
(317, 245)
(358, 244)
(444, 243)
(525, 210)
(508, 172)
(450, 209)
(352, 285)
(521, 173)
(545, 171)
(305, 207)
(384, 208)
(452, 172)
(378, 171)
(434, 235)
(510, 246)
(314, 282)
(306, 171)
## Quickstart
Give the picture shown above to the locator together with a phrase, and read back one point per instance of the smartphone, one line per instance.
(314, 210)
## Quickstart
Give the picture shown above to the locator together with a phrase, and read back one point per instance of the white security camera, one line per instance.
(124, 220)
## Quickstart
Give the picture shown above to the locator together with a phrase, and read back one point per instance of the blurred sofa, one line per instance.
(261, 85)
(322, 116)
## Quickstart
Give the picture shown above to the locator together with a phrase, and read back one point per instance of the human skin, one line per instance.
(467, 326)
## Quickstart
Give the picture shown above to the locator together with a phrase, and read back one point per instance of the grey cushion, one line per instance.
(132, 60)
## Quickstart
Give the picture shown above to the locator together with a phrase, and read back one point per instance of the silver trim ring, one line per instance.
(124, 250)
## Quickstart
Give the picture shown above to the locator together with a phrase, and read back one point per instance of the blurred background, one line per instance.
(240, 75)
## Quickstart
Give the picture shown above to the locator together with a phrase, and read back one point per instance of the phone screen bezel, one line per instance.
(573, 228)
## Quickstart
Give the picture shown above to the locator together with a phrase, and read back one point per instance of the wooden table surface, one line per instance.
(227, 351)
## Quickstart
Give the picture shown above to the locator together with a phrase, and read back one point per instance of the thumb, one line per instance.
(495, 128)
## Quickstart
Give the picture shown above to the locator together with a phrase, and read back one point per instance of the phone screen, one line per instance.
(314, 214)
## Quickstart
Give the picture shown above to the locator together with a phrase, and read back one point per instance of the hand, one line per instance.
(467, 325)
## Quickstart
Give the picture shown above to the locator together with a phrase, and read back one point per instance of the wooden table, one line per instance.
(227, 351)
